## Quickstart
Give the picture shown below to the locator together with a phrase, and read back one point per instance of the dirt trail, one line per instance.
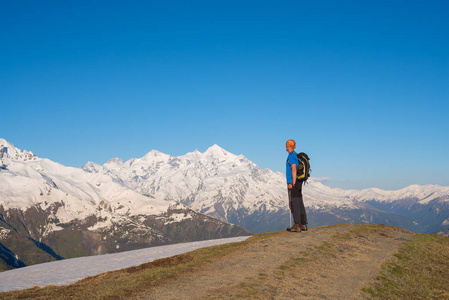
(323, 263)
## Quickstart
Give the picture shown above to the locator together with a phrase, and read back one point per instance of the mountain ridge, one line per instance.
(49, 211)
(234, 189)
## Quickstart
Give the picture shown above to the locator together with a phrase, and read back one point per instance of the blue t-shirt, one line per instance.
(292, 159)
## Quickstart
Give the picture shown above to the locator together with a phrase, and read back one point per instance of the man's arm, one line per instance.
(293, 176)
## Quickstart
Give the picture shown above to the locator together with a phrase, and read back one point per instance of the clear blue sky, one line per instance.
(362, 86)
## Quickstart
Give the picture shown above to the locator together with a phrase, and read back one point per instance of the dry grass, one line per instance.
(419, 271)
(285, 281)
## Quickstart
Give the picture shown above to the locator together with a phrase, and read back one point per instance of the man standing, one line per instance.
(295, 190)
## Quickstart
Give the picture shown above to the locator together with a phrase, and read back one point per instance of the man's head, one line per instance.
(290, 145)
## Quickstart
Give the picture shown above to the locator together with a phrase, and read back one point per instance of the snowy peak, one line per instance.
(154, 156)
(155, 153)
(9, 152)
(114, 163)
(216, 151)
(92, 167)
(192, 156)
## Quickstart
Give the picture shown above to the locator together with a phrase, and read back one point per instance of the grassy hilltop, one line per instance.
(334, 262)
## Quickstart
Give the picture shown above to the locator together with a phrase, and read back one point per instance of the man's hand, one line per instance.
(290, 186)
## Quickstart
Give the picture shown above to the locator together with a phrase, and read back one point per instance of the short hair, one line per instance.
(291, 143)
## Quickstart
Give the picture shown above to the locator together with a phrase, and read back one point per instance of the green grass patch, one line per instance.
(325, 248)
(419, 271)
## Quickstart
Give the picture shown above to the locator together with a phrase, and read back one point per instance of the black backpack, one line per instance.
(303, 168)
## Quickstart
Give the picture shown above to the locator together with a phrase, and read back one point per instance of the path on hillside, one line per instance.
(323, 263)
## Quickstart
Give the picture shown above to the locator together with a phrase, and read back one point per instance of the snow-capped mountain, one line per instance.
(214, 182)
(49, 211)
(232, 188)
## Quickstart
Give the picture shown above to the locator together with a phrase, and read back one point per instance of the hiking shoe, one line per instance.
(294, 228)
(304, 227)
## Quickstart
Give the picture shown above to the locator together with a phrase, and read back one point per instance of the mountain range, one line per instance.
(158, 199)
(49, 212)
(233, 189)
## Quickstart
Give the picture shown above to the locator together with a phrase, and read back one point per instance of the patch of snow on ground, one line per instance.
(4, 233)
(175, 218)
(68, 271)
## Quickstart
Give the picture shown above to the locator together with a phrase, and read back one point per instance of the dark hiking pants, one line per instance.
(297, 205)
